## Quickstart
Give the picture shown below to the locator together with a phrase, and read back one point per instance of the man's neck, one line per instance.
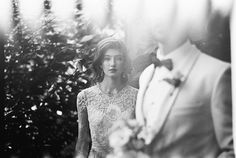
(168, 47)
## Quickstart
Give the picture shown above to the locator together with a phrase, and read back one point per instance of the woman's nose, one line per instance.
(112, 62)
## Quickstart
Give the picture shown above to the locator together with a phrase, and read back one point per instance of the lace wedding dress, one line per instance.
(102, 112)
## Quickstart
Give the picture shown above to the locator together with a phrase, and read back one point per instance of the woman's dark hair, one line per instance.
(102, 47)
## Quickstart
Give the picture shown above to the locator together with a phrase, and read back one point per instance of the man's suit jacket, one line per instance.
(198, 122)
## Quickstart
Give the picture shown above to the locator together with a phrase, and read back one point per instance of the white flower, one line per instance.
(120, 137)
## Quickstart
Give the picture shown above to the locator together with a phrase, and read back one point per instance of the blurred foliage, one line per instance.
(45, 70)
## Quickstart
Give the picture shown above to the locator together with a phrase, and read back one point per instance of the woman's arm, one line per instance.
(84, 137)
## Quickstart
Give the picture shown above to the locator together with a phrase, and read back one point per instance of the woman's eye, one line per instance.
(119, 58)
(106, 58)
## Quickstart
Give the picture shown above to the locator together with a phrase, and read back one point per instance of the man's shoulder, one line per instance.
(211, 65)
(210, 61)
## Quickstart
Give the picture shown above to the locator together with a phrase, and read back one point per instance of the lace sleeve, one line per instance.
(131, 95)
(84, 138)
(135, 93)
(134, 96)
(81, 102)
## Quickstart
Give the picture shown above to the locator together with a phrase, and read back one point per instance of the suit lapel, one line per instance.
(145, 78)
(165, 110)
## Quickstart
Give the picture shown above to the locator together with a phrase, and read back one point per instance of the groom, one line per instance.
(185, 105)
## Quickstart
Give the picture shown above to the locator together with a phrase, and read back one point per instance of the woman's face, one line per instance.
(113, 63)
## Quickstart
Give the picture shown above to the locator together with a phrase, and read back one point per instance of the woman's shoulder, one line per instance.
(85, 94)
(88, 91)
(132, 89)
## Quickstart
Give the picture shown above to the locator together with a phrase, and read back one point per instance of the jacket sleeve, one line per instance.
(84, 137)
(222, 114)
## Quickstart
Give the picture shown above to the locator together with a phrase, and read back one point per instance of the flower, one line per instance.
(124, 140)
(120, 137)
(175, 80)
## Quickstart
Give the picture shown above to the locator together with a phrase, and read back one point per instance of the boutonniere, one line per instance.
(175, 79)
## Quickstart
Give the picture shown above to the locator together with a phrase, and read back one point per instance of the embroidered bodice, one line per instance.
(104, 110)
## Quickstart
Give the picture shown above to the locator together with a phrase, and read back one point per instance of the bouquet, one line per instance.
(125, 142)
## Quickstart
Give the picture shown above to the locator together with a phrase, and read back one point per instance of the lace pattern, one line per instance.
(103, 111)
(81, 102)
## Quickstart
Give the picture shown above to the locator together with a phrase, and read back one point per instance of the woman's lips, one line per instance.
(113, 70)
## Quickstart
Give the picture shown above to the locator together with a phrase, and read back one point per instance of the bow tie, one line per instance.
(158, 63)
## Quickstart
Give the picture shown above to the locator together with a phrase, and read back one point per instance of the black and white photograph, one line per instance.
(118, 78)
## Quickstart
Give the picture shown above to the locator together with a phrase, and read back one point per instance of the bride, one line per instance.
(111, 99)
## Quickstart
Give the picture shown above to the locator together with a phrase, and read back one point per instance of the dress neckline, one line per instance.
(111, 95)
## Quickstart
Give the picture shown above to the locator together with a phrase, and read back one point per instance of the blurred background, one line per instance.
(48, 49)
